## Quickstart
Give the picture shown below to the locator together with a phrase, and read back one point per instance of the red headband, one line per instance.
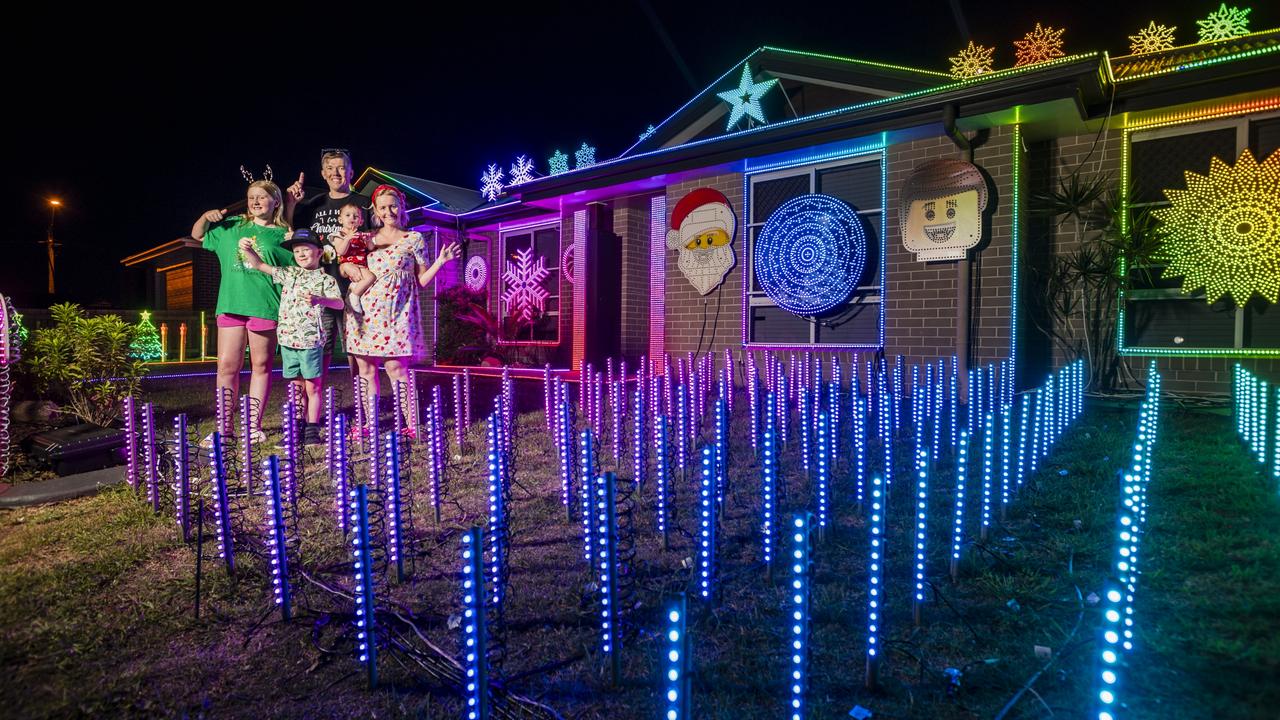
(389, 189)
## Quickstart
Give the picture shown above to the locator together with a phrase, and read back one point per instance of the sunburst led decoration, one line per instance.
(971, 61)
(1223, 232)
(1152, 38)
(1224, 23)
(1039, 45)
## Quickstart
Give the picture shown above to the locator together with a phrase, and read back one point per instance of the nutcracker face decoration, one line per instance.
(941, 209)
(702, 227)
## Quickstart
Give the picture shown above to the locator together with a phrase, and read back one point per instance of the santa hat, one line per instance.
(712, 206)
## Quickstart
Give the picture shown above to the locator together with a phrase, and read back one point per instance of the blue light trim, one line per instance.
(475, 640)
(276, 534)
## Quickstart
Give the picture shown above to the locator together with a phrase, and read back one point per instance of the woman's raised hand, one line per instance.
(448, 252)
(213, 216)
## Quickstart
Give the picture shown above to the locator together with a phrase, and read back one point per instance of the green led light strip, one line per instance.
(1203, 63)
(1017, 221)
(1229, 110)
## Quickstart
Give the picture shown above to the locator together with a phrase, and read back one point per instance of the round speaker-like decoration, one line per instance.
(476, 273)
(810, 255)
(566, 264)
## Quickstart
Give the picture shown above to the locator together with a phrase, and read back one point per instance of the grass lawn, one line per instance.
(96, 598)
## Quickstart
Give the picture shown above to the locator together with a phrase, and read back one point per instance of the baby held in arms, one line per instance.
(353, 248)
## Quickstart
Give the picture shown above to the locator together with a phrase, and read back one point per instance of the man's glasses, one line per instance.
(326, 152)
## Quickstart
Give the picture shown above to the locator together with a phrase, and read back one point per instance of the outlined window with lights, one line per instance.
(1156, 317)
(856, 323)
(529, 284)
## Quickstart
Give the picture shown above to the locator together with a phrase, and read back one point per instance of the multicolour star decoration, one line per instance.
(971, 61)
(1224, 23)
(1039, 45)
(745, 99)
(1223, 232)
(1152, 38)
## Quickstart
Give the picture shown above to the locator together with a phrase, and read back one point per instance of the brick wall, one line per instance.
(921, 307)
(720, 311)
(631, 225)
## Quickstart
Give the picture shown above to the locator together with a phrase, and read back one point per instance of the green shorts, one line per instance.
(307, 363)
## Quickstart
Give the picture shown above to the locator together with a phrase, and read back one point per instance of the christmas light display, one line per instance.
(744, 100)
(558, 163)
(1039, 45)
(248, 425)
(182, 476)
(962, 473)
(805, 452)
(768, 482)
(146, 344)
(395, 547)
(972, 61)
(522, 171)
(523, 294)
(277, 538)
(987, 443)
(584, 156)
(677, 661)
(1022, 440)
(340, 469)
(491, 183)
(1219, 233)
(497, 544)
(605, 519)
(475, 663)
(801, 564)
(823, 461)
(1006, 431)
(1224, 23)
(1152, 38)
(564, 444)
(222, 504)
(362, 568)
(291, 463)
(131, 441)
(149, 455)
(810, 255)
(661, 470)
(586, 477)
(875, 576)
(639, 446)
(922, 510)
(476, 273)
(707, 530)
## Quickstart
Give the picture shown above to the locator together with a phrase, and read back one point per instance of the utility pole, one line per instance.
(49, 243)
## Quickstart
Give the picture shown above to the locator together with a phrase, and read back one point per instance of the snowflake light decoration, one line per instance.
(491, 183)
(584, 156)
(1152, 38)
(524, 294)
(1223, 232)
(558, 163)
(522, 171)
(647, 132)
(1224, 23)
(971, 61)
(1039, 45)
(745, 99)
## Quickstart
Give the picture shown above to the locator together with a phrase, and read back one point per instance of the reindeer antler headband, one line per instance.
(266, 174)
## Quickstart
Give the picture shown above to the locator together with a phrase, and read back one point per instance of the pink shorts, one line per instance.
(252, 323)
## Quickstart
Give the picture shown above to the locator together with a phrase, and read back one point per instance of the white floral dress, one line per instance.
(392, 324)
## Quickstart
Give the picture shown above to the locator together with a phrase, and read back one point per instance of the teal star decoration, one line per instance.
(745, 99)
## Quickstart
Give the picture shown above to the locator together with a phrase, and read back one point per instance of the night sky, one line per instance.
(139, 130)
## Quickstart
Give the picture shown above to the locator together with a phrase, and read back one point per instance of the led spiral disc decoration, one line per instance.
(811, 254)
(476, 273)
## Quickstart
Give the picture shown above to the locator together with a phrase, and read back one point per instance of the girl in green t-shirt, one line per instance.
(247, 300)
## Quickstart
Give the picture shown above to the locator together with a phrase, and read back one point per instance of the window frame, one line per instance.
(756, 299)
(531, 229)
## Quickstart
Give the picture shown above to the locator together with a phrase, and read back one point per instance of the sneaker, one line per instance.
(354, 302)
(311, 435)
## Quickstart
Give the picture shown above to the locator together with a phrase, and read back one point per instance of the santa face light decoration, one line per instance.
(941, 209)
(702, 228)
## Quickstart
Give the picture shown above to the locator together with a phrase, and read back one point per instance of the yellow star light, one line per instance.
(1223, 232)
(1152, 38)
(971, 61)
(1039, 45)
(1224, 23)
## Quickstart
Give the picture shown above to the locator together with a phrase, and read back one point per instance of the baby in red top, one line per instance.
(353, 249)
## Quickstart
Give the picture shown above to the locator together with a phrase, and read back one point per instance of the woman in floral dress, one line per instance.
(389, 334)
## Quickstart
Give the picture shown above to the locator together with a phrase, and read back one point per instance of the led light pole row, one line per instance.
(277, 538)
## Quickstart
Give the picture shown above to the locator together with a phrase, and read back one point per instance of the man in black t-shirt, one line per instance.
(319, 214)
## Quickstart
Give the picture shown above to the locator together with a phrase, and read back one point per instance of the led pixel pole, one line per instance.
(661, 470)
(875, 577)
(131, 441)
(1006, 430)
(586, 476)
(182, 476)
(475, 663)
(677, 661)
(149, 456)
(340, 469)
(922, 510)
(707, 529)
(497, 550)
(988, 440)
(768, 482)
(362, 569)
(823, 463)
(801, 564)
(222, 504)
(277, 539)
(606, 520)
(395, 546)
(564, 445)
(962, 472)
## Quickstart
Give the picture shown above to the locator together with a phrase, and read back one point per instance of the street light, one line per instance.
(54, 204)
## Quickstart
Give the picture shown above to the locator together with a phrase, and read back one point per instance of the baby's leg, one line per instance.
(364, 279)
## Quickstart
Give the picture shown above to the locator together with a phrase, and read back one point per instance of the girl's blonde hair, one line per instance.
(277, 217)
(404, 211)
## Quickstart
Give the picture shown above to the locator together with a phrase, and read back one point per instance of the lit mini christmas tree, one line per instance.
(146, 346)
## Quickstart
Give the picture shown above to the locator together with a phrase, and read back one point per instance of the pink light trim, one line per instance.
(657, 276)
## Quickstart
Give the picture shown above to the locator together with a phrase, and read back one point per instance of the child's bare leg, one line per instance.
(312, 387)
(366, 278)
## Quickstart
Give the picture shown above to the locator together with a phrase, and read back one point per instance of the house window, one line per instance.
(855, 323)
(1158, 317)
(528, 254)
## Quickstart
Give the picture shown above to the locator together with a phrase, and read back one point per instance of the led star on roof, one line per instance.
(1152, 38)
(745, 99)
(1039, 45)
(1224, 23)
(1220, 233)
(971, 61)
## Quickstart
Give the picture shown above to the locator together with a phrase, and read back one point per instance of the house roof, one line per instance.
(432, 195)
(160, 250)
(1132, 67)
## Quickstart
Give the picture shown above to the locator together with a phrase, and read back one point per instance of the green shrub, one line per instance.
(84, 363)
